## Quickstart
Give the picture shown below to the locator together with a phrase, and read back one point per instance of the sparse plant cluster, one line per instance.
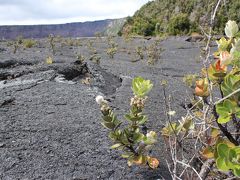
(49, 60)
(130, 139)
(98, 35)
(153, 53)
(90, 44)
(15, 47)
(111, 52)
(71, 42)
(95, 58)
(112, 49)
(212, 123)
(80, 58)
(19, 40)
(93, 50)
(205, 143)
(29, 43)
(139, 52)
(21, 43)
(190, 79)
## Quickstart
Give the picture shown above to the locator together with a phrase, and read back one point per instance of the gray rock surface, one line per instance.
(49, 120)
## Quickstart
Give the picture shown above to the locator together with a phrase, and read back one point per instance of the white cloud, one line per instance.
(64, 11)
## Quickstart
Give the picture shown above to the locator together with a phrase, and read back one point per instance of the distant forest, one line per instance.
(179, 17)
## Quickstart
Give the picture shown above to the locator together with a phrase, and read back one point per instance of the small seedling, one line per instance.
(51, 40)
(95, 58)
(153, 53)
(130, 139)
(15, 47)
(86, 81)
(111, 52)
(49, 60)
(19, 40)
(139, 51)
(80, 58)
(29, 43)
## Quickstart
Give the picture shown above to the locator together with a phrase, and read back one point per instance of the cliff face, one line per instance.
(85, 29)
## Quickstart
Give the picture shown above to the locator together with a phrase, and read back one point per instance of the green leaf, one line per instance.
(127, 155)
(229, 105)
(128, 117)
(235, 48)
(107, 118)
(223, 150)
(223, 44)
(222, 119)
(131, 118)
(149, 141)
(222, 110)
(116, 146)
(188, 124)
(170, 129)
(236, 172)
(123, 138)
(221, 164)
(141, 86)
(109, 125)
(113, 135)
(137, 137)
(225, 111)
(230, 84)
(143, 120)
(219, 74)
(231, 29)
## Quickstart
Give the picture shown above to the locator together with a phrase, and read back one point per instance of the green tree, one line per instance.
(179, 24)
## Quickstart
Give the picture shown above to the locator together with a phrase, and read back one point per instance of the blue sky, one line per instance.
(20, 12)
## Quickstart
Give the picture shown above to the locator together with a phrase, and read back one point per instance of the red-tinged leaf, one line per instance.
(152, 162)
(207, 153)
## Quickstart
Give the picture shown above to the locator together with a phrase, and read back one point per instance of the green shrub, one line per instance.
(130, 139)
(29, 43)
(203, 144)
(198, 11)
(179, 24)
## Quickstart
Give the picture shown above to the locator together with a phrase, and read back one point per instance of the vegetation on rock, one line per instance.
(177, 17)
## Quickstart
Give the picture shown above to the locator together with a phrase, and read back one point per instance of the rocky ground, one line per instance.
(49, 120)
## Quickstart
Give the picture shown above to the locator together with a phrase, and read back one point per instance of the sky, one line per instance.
(27, 12)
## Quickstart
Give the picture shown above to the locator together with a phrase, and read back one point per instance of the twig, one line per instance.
(173, 175)
(228, 96)
(237, 126)
(169, 119)
(205, 169)
(187, 165)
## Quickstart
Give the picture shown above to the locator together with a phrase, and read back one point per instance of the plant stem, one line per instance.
(224, 129)
(237, 127)
(169, 121)
(132, 150)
